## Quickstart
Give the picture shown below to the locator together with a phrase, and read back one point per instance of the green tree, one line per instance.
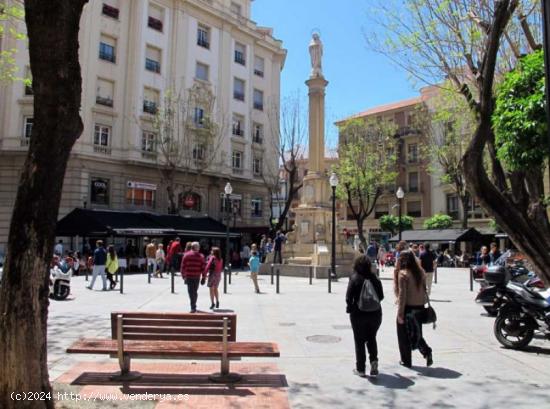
(52, 30)
(447, 124)
(474, 44)
(390, 223)
(438, 222)
(11, 16)
(519, 121)
(367, 164)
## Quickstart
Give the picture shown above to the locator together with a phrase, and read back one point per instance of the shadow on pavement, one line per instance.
(531, 349)
(441, 373)
(391, 381)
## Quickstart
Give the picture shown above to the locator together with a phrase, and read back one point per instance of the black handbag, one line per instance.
(429, 316)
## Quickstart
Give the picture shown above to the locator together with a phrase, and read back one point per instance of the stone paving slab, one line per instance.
(171, 385)
(471, 369)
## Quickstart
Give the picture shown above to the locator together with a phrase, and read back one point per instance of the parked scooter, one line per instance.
(60, 278)
(523, 311)
(496, 276)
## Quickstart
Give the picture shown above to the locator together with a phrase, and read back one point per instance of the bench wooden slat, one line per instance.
(173, 322)
(181, 349)
(172, 330)
(172, 337)
(174, 315)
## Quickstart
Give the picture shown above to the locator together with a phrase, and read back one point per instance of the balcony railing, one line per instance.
(407, 130)
(203, 43)
(152, 65)
(238, 132)
(257, 139)
(150, 107)
(259, 105)
(104, 150)
(237, 171)
(259, 73)
(140, 202)
(238, 95)
(239, 58)
(107, 56)
(154, 23)
(256, 213)
(108, 102)
(148, 155)
(25, 141)
(110, 11)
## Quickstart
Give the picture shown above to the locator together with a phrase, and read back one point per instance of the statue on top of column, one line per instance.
(316, 54)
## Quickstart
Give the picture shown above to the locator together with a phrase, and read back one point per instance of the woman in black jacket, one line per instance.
(365, 324)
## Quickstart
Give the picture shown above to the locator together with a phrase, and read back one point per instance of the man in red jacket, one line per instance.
(192, 269)
(174, 254)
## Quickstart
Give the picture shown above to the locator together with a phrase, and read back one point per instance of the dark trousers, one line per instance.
(193, 290)
(111, 279)
(365, 326)
(405, 349)
(277, 256)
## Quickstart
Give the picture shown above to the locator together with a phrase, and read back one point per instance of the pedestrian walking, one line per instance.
(363, 298)
(254, 264)
(263, 249)
(192, 269)
(174, 254)
(151, 253)
(214, 268)
(381, 257)
(58, 248)
(428, 261)
(278, 248)
(111, 266)
(410, 306)
(245, 255)
(99, 260)
(159, 259)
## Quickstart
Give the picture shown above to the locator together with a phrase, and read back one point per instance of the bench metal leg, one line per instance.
(224, 376)
(125, 373)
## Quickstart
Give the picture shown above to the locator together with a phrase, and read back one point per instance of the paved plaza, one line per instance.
(470, 370)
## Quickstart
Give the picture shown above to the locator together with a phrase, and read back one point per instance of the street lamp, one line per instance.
(333, 180)
(400, 195)
(228, 190)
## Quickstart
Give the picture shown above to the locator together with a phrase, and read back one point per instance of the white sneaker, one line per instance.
(374, 369)
(359, 373)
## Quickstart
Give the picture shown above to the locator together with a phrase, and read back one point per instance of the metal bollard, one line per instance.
(225, 280)
(87, 271)
(471, 279)
(229, 267)
(122, 281)
(172, 278)
(435, 276)
(277, 286)
(148, 276)
(310, 275)
(271, 274)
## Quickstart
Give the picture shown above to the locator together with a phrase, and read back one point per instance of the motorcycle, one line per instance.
(523, 311)
(60, 280)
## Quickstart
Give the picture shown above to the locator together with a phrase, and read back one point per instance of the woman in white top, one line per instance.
(160, 256)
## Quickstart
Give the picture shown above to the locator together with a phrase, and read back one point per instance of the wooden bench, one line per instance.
(174, 335)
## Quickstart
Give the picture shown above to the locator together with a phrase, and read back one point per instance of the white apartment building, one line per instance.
(131, 53)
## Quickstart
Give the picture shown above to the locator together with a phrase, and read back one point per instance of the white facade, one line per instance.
(131, 52)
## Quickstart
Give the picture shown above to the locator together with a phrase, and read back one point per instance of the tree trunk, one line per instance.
(464, 202)
(52, 28)
(360, 221)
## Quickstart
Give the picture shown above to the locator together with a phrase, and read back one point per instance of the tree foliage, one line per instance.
(189, 131)
(11, 15)
(519, 120)
(474, 44)
(288, 128)
(390, 223)
(367, 165)
(447, 124)
(438, 221)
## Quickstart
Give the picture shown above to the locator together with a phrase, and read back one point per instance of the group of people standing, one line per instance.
(363, 299)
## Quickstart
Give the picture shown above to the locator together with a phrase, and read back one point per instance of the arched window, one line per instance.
(190, 201)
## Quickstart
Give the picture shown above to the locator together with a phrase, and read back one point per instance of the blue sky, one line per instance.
(358, 78)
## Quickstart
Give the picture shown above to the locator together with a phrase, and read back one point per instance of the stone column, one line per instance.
(316, 94)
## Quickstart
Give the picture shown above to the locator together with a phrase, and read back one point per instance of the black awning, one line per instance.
(439, 236)
(97, 223)
(89, 222)
(193, 226)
